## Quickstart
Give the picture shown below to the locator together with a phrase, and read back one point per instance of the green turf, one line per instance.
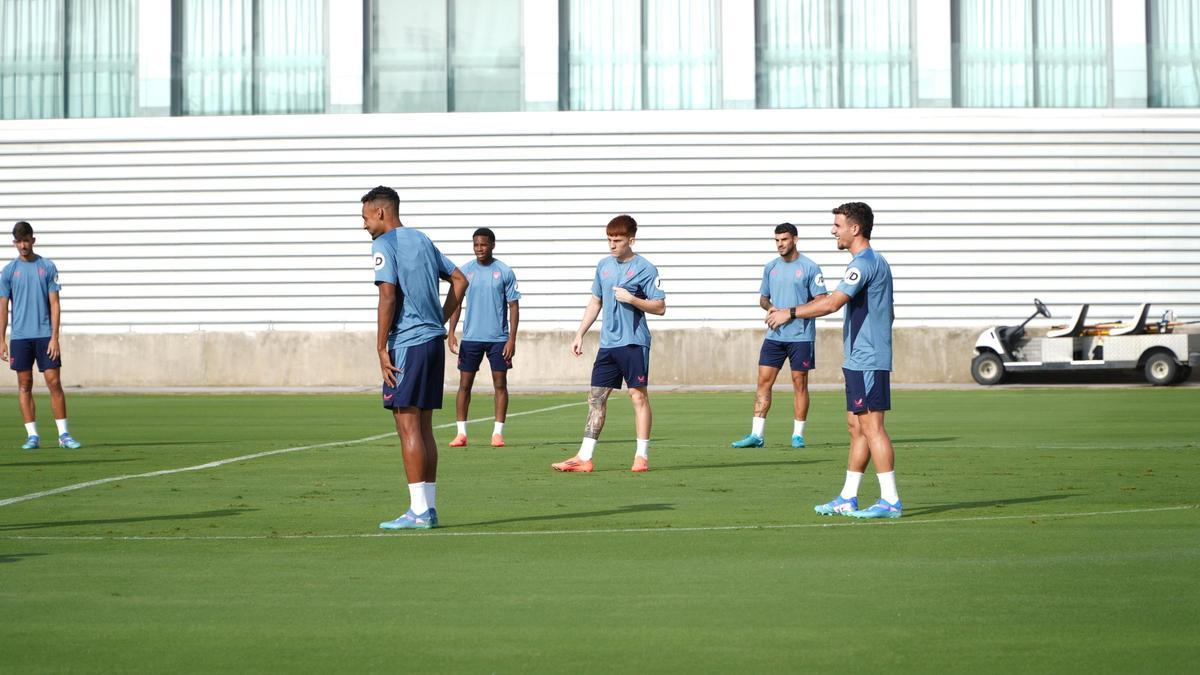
(1036, 538)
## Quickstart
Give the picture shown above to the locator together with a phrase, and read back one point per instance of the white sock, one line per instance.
(462, 427)
(431, 495)
(797, 427)
(887, 487)
(498, 429)
(586, 448)
(757, 424)
(62, 426)
(850, 489)
(643, 447)
(31, 429)
(416, 497)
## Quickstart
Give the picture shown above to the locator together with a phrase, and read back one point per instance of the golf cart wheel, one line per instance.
(987, 369)
(1160, 369)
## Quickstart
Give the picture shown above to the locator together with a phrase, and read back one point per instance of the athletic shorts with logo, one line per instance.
(23, 352)
(800, 354)
(868, 390)
(419, 382)
(470, 356)
(630, 363)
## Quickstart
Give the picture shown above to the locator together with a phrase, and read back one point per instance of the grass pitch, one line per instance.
(1047, 530)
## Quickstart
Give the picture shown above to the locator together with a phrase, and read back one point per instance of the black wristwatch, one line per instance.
(792, 311)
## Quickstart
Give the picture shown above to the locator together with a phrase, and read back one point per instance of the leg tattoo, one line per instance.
(597, 407)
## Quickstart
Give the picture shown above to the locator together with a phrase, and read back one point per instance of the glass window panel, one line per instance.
(835, 53)
(217, 57)
(486, 55)
(31, 59)
(102, 58)
(292, 71)
(1033, 53)
(1174, 53)
(408, 71)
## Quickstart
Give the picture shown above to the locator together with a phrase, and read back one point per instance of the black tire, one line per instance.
(1184, 373)
(987, 369)
(1160, 369)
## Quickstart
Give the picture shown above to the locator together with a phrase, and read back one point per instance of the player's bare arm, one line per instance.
(383, 323)
(4, 329)
(514, 317)
(656, 307)
(765, 303)
(52, 349)
(590, 312)
(821, 305)
(451, 325)
(597, 409)
(454, 298)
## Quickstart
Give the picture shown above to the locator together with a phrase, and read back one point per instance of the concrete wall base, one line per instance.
(347, 359)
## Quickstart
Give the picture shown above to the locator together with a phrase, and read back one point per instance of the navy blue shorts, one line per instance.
(800, 354)
(628, 362)
(419, 382)
(868, 390)
(470, 355)
(22, 352)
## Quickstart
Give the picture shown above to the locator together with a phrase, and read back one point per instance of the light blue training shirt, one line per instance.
(867, 327)
(407, 259)
(28, 286)
(491, 288)
(791, 284)
(625, 324)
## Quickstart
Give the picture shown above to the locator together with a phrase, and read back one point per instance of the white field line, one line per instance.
(425, 534)
(243, 458)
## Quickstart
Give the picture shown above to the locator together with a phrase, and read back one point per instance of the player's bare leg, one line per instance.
(762, 405)
(419, 450)
(876, 437)
(25, 395)
(412, 443)
(799, 406)
(860, 450)
(597, 410)
(58, 399)
(643, 419)
(500, 384)
(845, 503)
(462, 407)
(429, 445)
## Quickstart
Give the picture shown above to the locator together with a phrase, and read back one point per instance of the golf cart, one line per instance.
(1161, 355)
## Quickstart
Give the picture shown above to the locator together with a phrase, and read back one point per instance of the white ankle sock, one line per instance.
(416, 496)
(887, 487)
(462, 427)
(850, 489)
(31, 429)
(643, 447)
(757, 425)
(797, 427)
(431, 495)
(498, 429)
(586, 448)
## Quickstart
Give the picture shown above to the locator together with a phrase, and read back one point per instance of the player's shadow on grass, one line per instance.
(942, 439)
(942, 508)
(199, 515)
(739, 465)
(16, 557)
(71, 461)
(624, 510)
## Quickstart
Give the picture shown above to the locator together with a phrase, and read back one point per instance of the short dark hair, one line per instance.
(22, 230)
(383, 193)
(485, 232)
(786, 227)
(622, 225)
(860, 214)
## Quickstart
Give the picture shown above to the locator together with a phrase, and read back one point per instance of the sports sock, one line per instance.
(498, 429)
(757, 425)
(62, 426)
(31, 429)
(431, 495)
(643, 447)
(850, 489)
(586, 448)
(887, 487)
(416, 497)
(797, 427)
(462, 427)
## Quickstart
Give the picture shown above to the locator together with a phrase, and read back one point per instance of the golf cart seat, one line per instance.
(1136, 325)
(1075, 327)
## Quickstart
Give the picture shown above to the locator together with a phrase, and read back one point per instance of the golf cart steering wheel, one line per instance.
(1041, 308)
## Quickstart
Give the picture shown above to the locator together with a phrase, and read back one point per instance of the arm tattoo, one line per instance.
(597, 407)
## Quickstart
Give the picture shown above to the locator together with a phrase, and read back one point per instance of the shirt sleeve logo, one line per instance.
(378, 261)
(658, 282)
(852, 276)
(820, 279)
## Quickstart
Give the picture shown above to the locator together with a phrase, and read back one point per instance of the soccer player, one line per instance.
(409, 335)
(31, 282)
(492, 313)
(791, 279)
(866, 293)
(626, 288)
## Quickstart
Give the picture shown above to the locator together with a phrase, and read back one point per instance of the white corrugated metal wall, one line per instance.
(252, 223)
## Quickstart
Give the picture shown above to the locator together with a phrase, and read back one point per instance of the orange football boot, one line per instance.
(573, 465)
